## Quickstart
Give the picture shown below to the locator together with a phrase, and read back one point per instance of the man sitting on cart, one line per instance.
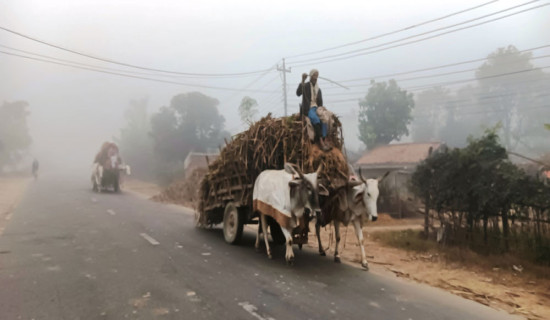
(312, 98)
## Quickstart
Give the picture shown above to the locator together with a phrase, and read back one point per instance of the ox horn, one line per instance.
(383, 177)
(319, 168)
(361, 175)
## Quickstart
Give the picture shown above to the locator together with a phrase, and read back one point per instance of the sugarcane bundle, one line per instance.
(268, 144)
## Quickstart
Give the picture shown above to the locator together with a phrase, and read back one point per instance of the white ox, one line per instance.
(284, 195)
(351, 203)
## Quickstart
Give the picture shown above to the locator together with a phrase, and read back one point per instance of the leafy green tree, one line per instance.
(384, 114)
(14, 133)
(136, 144)
(248, 109)
(476, 187)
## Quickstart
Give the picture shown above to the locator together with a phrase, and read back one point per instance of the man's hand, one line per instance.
(304, 77)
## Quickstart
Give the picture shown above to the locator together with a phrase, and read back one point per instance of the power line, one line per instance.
(477, 98)
(132, 65)
(349, 55)
(271, 101)
(105, 68)
(262, 109)
(423, 77)
(426, 76)
(478, 101)
(433, 68)
(460, 81)
(392, 32)
(269, 82)
(442, 103)
(131, 76)
(480, 78)
(457, 110)
(421, 34)
(443, 66)
(250, 84)
(485, 111)
(431, 85)
(453, 82)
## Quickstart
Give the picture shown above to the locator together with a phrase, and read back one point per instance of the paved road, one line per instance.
(69, 253)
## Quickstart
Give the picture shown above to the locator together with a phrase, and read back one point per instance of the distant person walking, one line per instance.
(35, 166)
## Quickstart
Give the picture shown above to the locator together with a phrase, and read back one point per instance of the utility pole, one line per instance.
(284, 70)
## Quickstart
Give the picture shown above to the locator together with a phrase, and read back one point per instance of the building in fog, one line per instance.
(196, 160)
(401, 161)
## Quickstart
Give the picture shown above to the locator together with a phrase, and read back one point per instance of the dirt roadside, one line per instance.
(11, 191)
(499, 287)
(142, 188)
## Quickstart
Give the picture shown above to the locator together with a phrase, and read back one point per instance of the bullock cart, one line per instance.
(225, 193)
(108, 168)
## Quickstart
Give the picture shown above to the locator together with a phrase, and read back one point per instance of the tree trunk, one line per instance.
(427, 216)
(485, 222)
(505, 229)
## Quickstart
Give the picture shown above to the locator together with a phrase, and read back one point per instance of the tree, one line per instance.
(460, 122)
(199, 120)
(511, 97)
(384, 114)
(191, 123)
(135, 142)
(14, 133)
(478, 190)
(248, 109)
(430, 113)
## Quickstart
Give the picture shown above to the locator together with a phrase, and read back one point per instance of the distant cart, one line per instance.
(108, 169)
(225, 194)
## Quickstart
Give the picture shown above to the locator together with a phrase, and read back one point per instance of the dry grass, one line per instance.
(183, 192)
(413, 240)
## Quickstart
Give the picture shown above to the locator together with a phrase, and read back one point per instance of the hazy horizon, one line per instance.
(74, 108)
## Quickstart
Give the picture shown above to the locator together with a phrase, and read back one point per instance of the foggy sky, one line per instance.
(72, 107)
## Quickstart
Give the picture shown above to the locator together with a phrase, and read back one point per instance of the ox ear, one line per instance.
(323, 191)
(289, 169)
(293, 169)
(358, 197)
(383, 177)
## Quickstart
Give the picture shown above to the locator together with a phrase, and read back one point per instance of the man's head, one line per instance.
(313, 75)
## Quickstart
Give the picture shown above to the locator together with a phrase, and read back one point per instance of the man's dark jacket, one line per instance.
(306, 98)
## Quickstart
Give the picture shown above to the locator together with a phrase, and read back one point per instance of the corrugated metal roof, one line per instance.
(397, 154)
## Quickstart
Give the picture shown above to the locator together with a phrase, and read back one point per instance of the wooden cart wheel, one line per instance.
(233, 223)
